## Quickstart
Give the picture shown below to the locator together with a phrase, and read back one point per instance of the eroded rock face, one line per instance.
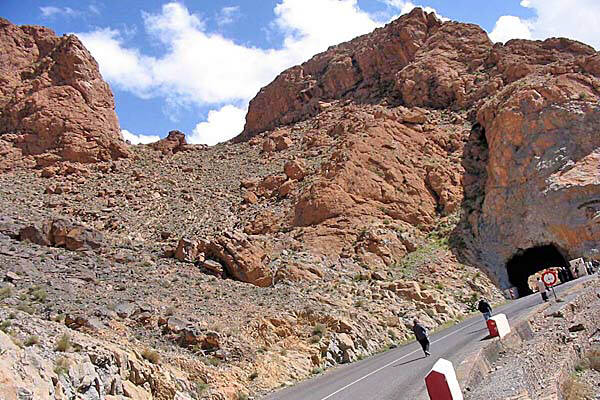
(530, 175)
(54, 104)
(543, 174)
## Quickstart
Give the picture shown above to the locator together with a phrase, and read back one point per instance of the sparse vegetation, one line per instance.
(201, 387)
(242, 396)
(64, 343)
(315, 339)
(31, 341)
(253, 376)
(210, 361)
(61, 366)
(39, 295)
(317, 370)
(6, 292)
(319, 330)
(4, 326)
(26, 308)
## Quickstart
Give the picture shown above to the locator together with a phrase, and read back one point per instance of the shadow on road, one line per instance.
(476, 331)
(486, 338)
(409, 361)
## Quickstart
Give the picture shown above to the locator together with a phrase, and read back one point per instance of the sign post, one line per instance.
(550, 279)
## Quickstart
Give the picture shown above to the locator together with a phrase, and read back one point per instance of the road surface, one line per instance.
(399, 374)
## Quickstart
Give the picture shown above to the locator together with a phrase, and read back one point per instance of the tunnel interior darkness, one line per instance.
(526, 263)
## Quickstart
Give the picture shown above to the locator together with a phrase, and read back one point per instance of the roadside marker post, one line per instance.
(498, 326)
(441, 382)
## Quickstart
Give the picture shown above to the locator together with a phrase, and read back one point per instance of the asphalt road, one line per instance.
(399, 374)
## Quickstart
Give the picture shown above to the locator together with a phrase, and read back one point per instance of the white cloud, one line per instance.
(201, 68)
(509, 27)
(228, 15)
(575, 19)
(51, 11)
(220, 125)
(138, 139)
(125, 68)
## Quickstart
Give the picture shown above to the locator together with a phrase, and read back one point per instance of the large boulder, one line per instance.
(230, 255)
(54, 104)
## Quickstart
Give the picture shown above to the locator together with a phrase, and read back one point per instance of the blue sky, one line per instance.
(193, 65)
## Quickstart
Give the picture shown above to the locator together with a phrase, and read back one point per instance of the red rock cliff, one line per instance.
(54, 104)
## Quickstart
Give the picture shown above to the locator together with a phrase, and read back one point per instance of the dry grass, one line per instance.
(575, 389)
(151, 355)
(64, 343)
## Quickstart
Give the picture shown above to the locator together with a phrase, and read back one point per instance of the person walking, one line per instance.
(542, 289)
(422, 337)
(485, 308)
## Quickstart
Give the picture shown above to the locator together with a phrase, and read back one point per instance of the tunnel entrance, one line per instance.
(526, 263)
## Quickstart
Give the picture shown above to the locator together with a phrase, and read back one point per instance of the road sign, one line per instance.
(550, 278)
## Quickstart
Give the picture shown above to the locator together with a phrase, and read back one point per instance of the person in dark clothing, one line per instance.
(421, 335)
(561, 275)
(485, 308)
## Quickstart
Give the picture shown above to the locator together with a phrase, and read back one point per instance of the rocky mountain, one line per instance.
(523, 118)
(391, 177)
(54, 104)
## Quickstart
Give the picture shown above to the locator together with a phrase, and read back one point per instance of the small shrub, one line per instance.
(61, 366)
(253, 376)
(315, 339)
(201, 387)
(319, 329)
(16, 341)
(151, 355)
(4, 326)
(26, 308)
(63, 344)
(317, 370)
(5, 292)
(210, 361)
(39, 295)
(32, 340)
(284, 352)
(242, 396)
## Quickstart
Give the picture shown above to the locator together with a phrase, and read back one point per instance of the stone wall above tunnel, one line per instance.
(543, 173)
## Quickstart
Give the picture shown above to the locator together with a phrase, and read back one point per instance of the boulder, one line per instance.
(172, 144)
(36, 234)
(295, 169)
(189, 250)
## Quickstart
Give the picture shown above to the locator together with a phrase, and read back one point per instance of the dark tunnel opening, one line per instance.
(526, 263)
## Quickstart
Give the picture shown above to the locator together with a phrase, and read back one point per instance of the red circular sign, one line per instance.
(550, 278)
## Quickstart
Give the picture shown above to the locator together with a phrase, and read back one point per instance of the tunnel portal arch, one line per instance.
(527, 262)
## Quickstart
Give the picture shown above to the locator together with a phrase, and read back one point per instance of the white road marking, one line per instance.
(393, 362)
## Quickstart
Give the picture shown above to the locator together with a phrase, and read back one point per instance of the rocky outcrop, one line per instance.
(62, 233)
(54, 105)
(173, 143)
(229, 255)
(529, 168)
(543, 180)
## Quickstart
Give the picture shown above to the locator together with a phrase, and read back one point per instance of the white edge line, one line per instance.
(395, 361)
